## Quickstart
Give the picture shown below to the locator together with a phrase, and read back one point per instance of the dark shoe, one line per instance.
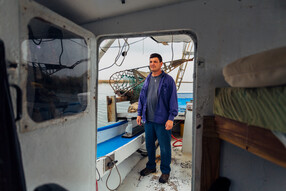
(164, 178)
(147, 171)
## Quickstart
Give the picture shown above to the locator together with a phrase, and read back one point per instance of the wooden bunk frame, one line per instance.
(256, 140)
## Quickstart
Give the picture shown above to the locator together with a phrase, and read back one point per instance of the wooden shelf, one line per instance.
(256, 140)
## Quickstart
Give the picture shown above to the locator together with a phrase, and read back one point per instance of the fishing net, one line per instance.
(128, 83)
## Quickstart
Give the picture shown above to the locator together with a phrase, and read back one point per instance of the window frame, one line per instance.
(27, 124)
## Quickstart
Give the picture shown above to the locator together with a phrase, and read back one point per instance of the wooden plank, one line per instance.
(111, 109)
(210, 153)
(121, 98)
(259, 141)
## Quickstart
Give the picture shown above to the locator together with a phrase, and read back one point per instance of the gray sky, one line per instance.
(138, 55)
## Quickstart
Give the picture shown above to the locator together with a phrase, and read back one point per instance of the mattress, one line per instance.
(262, 107)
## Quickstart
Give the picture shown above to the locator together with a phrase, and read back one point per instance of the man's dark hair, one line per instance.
(156, 55)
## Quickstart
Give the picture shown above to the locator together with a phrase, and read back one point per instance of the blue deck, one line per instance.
(112, 125)
(112, 144)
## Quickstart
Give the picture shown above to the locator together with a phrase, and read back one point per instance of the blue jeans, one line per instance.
(155, 131)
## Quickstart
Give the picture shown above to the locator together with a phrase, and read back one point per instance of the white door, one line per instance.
(57, 76)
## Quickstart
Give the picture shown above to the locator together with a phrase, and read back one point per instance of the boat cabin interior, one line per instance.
(231, 126)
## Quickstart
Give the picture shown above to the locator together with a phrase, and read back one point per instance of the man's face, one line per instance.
(155, 64)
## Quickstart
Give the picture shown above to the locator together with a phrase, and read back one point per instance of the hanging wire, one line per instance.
(114, 165)
(110, 171)
(99, 177)
(175, 144)
(177, 141)
(106, 183)
(125, 47)
(102, 50)
(83, 45)
(129, 43)
(62, 51)
(119, 52)
(116, 58)
(41, 40)
(37, 43)
(34, 39)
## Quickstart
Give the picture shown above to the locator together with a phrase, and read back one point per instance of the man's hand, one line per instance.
(169, 124)
(139, 120)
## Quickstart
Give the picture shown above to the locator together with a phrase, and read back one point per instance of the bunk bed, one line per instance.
(250, 114)
(247, 117)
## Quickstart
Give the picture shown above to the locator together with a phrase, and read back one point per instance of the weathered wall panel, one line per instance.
(225, 30)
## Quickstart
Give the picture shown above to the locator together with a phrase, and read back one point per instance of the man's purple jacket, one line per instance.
(167, 105)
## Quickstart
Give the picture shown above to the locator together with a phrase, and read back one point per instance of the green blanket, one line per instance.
(263, 107)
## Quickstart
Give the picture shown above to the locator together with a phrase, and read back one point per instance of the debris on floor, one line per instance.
(180, 176)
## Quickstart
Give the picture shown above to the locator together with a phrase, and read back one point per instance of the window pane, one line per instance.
(57, 71)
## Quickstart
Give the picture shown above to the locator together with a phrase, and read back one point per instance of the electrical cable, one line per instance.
(126, 47)
(104, 47)
(177, 141)
(40, 41)
(119, 46)
(84, 46)
(102, 50)
(99, 177)
(129, 43)
(111, 168)
(32, 37)
(62, 51)
(106, 183)
(116, 58)
(125, 50)
(60, 57)
(96, 185)
(119, 52)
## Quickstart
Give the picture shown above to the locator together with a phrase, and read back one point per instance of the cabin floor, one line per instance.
(180, 176)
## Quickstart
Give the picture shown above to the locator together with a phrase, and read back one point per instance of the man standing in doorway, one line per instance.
(157, 107)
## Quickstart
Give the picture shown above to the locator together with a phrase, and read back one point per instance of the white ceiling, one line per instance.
(85, 11)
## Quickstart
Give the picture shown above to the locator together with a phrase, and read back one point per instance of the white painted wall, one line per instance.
(225, 30)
